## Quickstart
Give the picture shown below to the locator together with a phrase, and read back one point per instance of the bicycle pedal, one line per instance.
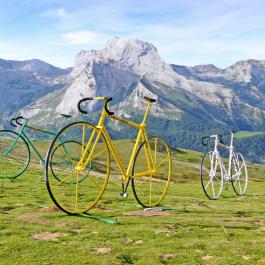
(124, 195)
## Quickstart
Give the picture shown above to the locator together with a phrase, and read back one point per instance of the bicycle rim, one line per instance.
(66, 190)
(239, 174)
(211, 175)
(14, 154)
(150, 189)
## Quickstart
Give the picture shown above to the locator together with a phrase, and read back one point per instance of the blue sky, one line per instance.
(188, 32)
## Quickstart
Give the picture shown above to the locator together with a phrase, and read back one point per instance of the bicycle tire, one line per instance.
(236, 179)
(143, 187)
(212, 176)
(15, 162)
(64, 160)
(78, 197)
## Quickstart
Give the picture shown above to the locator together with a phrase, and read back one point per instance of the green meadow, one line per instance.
(186, 229)
(246, 134)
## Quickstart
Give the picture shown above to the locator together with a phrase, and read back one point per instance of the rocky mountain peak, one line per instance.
(132, 54)
(244, 71)
(207, 68)
(129, 54)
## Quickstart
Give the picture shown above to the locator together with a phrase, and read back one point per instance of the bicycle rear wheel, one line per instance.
(76, 187)
(239, 174)
(150, 189)
(211, 175)
(67, 155)
(14, 154)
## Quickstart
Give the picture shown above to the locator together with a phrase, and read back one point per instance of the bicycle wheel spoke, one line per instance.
(74, 187)
(61, 171)
(239, 184)
(76, 190)
(62, 181)
(150, 189)
(210, 182)
(61, 157)
(161, 163)
(213, 190)
(140, 183)
(240, 175)
(14, 157)
(211, 175)
(217, 178)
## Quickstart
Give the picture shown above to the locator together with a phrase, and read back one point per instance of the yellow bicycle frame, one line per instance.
(100, 129)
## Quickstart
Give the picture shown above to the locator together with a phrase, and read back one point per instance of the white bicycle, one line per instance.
(214, 173)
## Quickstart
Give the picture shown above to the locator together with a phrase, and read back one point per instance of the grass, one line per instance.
(246, 134)
(193, 230)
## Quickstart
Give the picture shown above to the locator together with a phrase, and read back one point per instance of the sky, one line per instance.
(185, 32)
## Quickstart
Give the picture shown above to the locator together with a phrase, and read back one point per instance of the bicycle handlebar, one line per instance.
(106, 106)
(207, 137)
(203, 138)
(19, 118)
(11, 122)
(107, 100)
(79, 104)
(221, 139)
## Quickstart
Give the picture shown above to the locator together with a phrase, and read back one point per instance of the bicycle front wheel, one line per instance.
(14, 154)
(150, 188)
(77, 167)
(65, 155)
(239, 174)
(211, 175)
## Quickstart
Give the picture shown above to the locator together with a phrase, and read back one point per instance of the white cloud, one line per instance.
(56, 13)
(81, 37)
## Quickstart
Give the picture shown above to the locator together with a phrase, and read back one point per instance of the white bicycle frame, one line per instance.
(226, 174)
(231, 174)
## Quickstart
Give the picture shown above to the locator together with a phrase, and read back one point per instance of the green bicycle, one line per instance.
(15, 153)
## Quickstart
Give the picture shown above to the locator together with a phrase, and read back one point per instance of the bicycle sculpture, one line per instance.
(214, 173)
(76, 185)
(15, 148)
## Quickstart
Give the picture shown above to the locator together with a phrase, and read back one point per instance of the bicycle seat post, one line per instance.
(232, 140)
(149, 102)
(216, 142)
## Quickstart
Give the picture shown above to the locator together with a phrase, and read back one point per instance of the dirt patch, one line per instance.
(246, 257)
(138, 242)
(33, 219)
(207, 257)
(102, 250)
(49, 209)
(37, 218)
(101, 208)
(261, 229)
(165, 258)
(47, 236)
(147, 213)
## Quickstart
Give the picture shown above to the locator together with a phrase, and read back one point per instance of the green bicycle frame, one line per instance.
(23, 134)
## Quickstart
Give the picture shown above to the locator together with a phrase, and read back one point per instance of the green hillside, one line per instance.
(191, 228)
(246, 134)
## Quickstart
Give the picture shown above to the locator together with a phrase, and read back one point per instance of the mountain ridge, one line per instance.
(230, 96)
(210, 97)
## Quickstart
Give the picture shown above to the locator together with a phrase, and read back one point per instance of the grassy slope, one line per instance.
(245, 134)
(191, 234)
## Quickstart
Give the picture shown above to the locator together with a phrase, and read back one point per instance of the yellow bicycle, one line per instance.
(79, 176)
